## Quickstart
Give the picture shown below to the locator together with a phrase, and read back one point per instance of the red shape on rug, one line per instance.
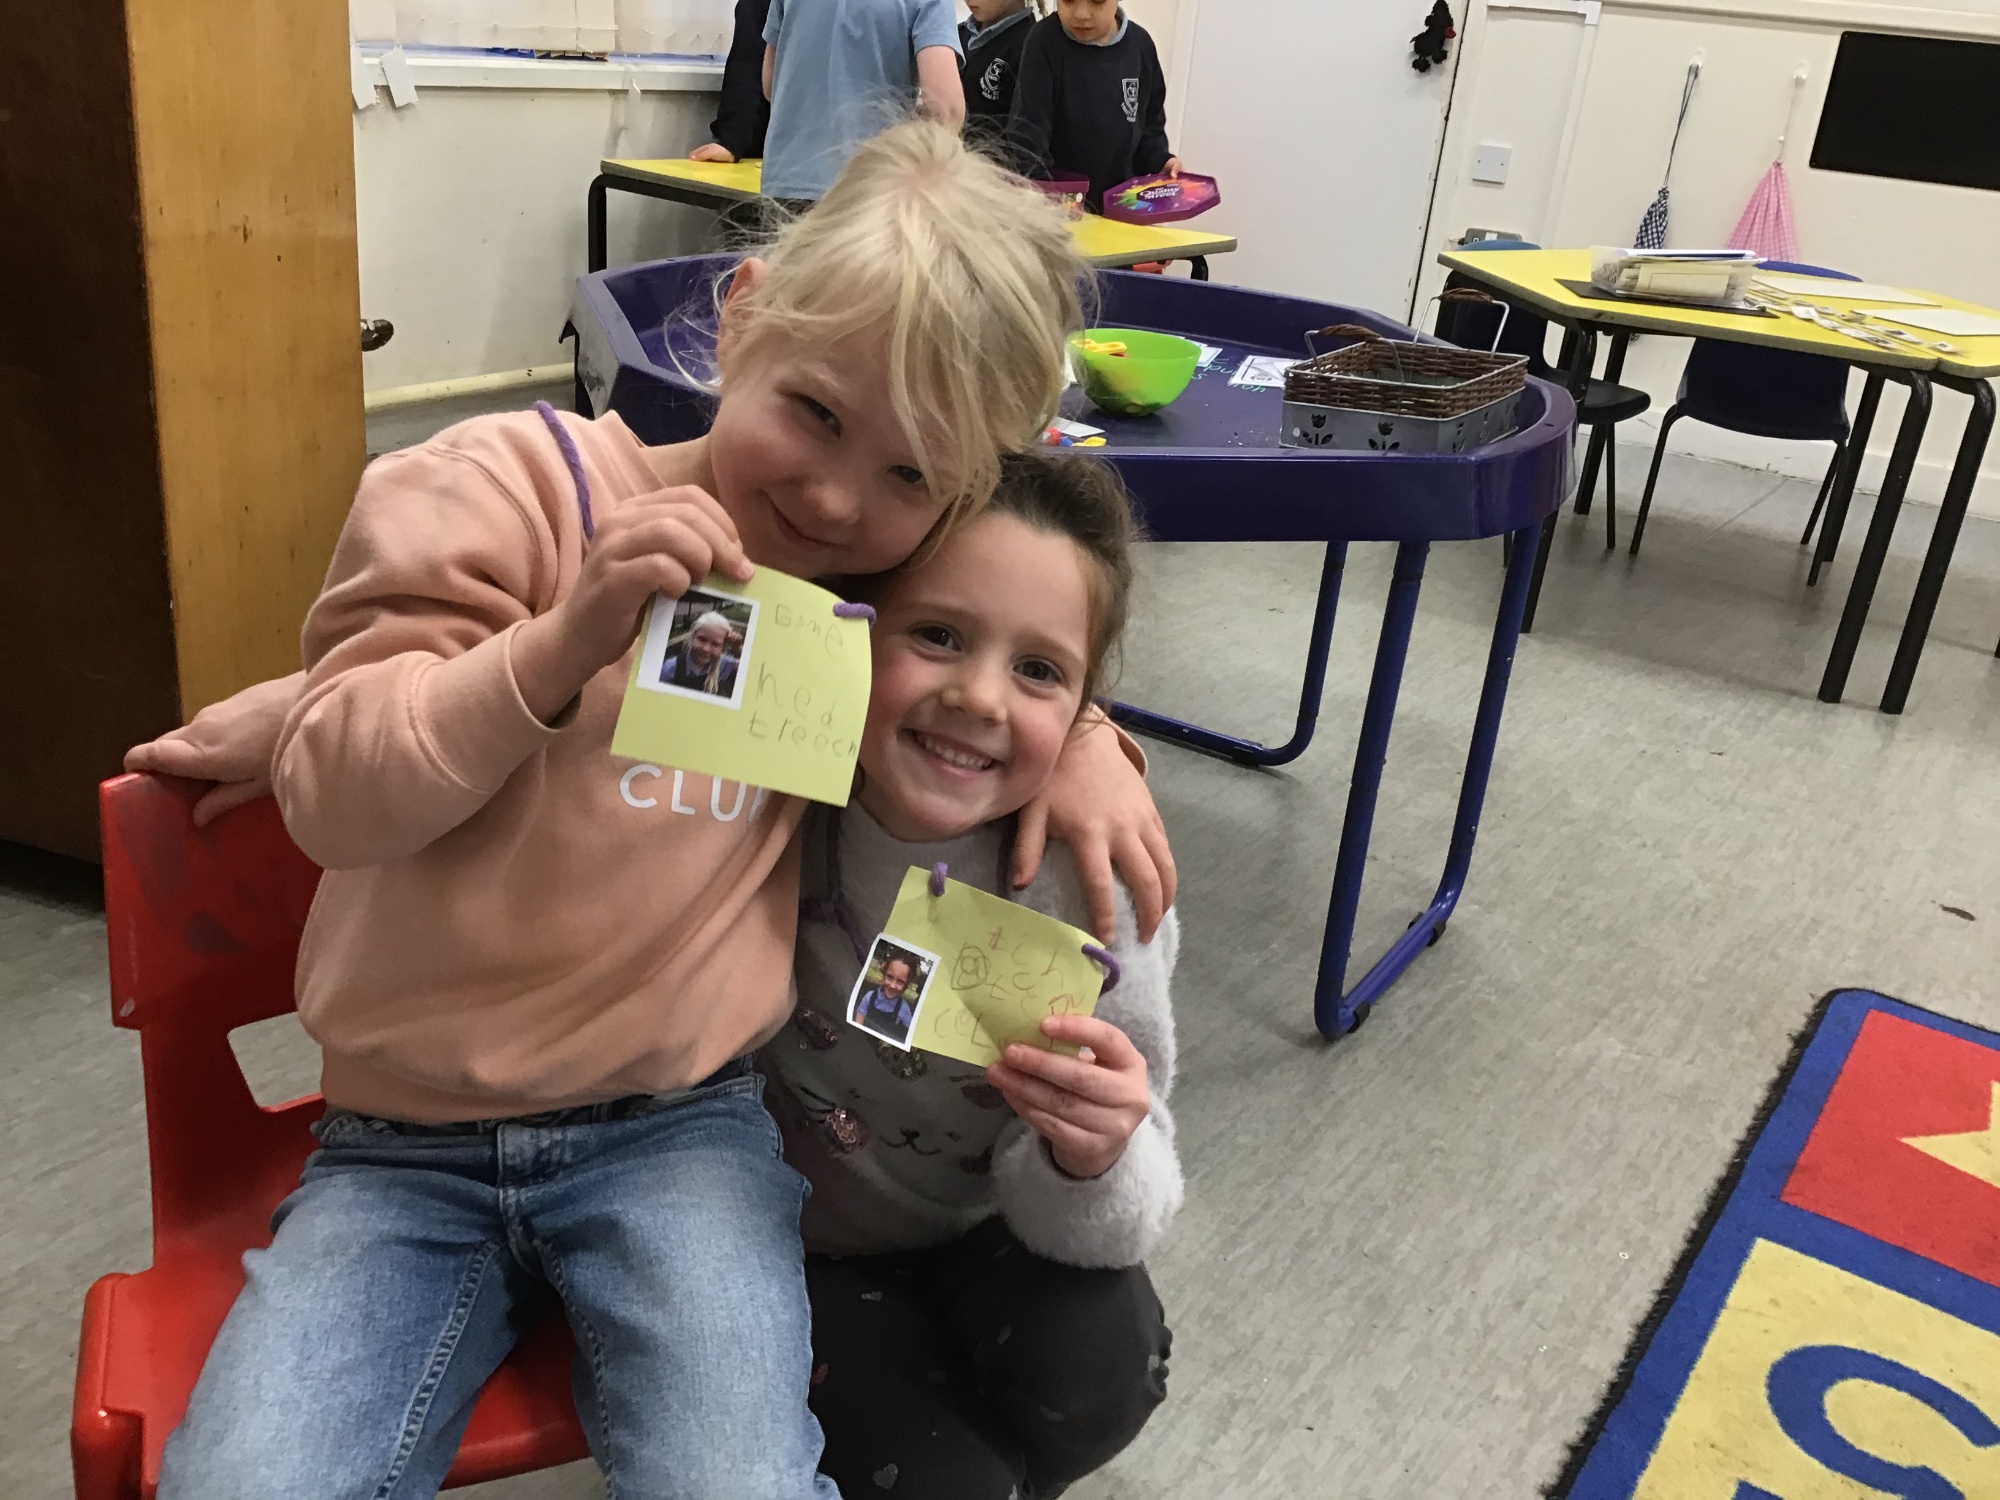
(1900, 1080)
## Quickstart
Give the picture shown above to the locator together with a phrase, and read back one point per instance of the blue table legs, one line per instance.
(1337, 1013)
(1250, 752)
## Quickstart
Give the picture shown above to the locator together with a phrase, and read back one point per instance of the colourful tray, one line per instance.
(1160, 199)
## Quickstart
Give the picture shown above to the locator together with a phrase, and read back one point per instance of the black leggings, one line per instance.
(979, 1370)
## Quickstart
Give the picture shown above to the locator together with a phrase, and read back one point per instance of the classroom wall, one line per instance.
(1588, 109)
(471, 218)
(470, 206)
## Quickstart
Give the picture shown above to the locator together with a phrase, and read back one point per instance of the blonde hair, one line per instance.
(969, 274)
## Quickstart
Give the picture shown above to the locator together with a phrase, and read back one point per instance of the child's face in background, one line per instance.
(810, 462)
(1088, 20)
(980, 656)
(986, 12)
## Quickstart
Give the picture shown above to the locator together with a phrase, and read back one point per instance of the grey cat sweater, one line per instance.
(910, 1149)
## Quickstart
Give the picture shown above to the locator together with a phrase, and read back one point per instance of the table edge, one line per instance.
(1632, 317)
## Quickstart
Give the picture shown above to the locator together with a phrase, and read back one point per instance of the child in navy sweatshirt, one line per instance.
(1091, 100)
(744, 114)
(991, 39)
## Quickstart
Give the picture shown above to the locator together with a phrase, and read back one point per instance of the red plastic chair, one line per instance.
(204, 930)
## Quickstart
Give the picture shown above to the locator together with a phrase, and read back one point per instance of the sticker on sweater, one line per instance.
(888, 994)
(1007, 969)
(760, 683)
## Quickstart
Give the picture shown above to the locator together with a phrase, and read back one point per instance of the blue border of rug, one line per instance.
(1608, 1459)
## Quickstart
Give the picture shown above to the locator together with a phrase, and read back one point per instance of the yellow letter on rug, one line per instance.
(758, 683)
(1003, 969)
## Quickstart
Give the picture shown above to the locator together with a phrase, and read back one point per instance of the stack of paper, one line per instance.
(1793, 285)
(1951, 321)
(1716, 277)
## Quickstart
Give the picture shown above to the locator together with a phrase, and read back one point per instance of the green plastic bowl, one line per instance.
(1155, 368)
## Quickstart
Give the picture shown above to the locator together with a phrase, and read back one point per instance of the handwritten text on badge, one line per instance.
(1006, 969)
(757, 683)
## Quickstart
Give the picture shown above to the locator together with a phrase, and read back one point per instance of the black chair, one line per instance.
(1473, 318)
(1773, 393)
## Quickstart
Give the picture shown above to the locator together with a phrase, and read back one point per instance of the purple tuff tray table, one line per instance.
(1209, 469)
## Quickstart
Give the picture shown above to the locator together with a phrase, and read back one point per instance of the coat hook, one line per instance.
(1799, 75)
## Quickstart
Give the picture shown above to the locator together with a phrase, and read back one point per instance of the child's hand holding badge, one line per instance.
(1087, 1106)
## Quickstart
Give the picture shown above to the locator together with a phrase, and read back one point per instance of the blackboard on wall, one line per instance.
(1922, 108)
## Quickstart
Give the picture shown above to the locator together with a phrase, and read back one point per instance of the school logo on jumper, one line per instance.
(1131, 87)
(989, 81)
(1836, 1331)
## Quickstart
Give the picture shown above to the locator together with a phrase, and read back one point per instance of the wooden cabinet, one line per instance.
(180, 374)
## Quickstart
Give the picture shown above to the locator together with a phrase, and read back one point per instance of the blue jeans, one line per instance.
(411, 1257)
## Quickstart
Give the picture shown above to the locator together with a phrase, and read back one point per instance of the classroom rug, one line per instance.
(1832, 1331)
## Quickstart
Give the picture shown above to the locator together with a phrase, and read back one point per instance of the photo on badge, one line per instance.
(889, 994)
(698, 646)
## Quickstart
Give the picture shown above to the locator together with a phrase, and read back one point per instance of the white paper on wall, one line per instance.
(359, 81)
(683, 26)
(396, 73)
(598, 26)
(372, 20)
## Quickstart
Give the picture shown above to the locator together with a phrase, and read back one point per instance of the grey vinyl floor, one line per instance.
(1408, 1261)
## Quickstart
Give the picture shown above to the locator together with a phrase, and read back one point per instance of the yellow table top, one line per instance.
(1101, 241)
(1112, 242)
(1535, 276)
(739, 181)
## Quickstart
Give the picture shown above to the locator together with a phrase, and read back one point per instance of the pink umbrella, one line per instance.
(1766, 225)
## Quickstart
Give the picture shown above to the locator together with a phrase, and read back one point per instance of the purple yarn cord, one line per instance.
(574, 460)
(1112, 972)
(854, 612)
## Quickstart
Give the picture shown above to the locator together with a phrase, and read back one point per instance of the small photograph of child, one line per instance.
(890, 992)
(698, 645)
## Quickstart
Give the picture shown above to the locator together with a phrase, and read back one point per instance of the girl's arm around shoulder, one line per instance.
(1097, 803)
(1119, 1217)
(411, 718)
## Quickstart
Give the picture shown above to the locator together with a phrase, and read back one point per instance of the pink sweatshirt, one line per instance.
(511, 919)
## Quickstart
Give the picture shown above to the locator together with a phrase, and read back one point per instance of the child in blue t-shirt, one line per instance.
(839, 71)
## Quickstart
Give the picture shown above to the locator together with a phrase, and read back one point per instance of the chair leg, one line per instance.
(1593, 455)
(1611, 488)
(1653, 477)
(1825, 486)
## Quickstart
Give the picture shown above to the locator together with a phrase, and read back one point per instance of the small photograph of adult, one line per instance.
(707, 642)
(890, 992)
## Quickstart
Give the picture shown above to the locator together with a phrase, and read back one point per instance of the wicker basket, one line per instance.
(1434, 381)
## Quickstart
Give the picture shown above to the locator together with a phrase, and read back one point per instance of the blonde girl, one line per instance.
(700, 659)
(536, 984)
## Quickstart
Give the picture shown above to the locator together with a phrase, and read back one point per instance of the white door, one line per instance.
(1323, 137)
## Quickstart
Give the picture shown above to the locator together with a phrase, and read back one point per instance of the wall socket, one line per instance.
(1489, 164)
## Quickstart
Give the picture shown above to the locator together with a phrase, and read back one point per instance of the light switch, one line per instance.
(1489, 163)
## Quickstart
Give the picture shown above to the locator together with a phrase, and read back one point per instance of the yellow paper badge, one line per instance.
(760, 683)
(961, 972)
